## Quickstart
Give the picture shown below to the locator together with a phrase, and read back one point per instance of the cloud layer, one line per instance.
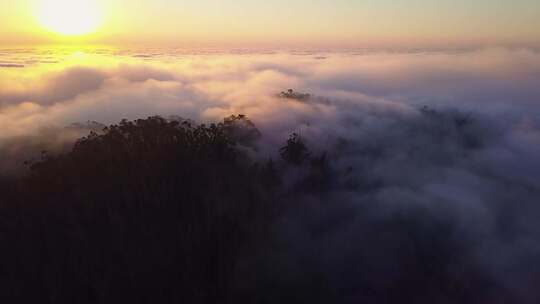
(59, 87)
(109, 87)
(472, 164)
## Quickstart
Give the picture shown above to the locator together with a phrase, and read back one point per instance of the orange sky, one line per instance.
(328, 23)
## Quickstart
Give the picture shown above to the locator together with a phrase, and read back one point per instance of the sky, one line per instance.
(253, 23)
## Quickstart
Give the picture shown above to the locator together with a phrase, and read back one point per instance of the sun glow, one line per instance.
(69, 17)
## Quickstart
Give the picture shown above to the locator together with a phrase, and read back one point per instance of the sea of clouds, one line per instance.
(473, 163)
(42, 89)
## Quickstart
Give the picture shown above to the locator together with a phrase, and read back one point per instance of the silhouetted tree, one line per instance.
(241, 129)
(295, 151)
(151, 210)
(291, 94)
(168, 211)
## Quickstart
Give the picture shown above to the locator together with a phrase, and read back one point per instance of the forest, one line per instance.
(170, 211)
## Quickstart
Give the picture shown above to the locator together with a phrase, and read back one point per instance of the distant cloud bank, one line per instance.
(59, 87)
(491, 81)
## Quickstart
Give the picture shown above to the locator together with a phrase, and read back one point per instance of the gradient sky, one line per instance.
(293, 22)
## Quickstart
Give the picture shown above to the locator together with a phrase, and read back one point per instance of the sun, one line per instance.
(69, 17)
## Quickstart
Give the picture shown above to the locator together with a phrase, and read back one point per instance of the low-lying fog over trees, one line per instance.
(436, 206)
(270, 177)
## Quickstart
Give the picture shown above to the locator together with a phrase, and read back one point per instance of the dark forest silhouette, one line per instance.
(167, 211)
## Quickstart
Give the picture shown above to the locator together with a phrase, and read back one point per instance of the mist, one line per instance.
(421, 164)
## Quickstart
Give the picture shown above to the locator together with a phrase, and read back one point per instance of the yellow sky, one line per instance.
(251, 23)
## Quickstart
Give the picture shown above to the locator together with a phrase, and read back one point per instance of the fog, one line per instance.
(446, 142)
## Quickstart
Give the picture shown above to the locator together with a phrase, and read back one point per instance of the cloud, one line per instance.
(446, 189)
(11, 65)
(483, 79)
(105, 87)
(495, 81)
(53, 88)
(462, 182)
